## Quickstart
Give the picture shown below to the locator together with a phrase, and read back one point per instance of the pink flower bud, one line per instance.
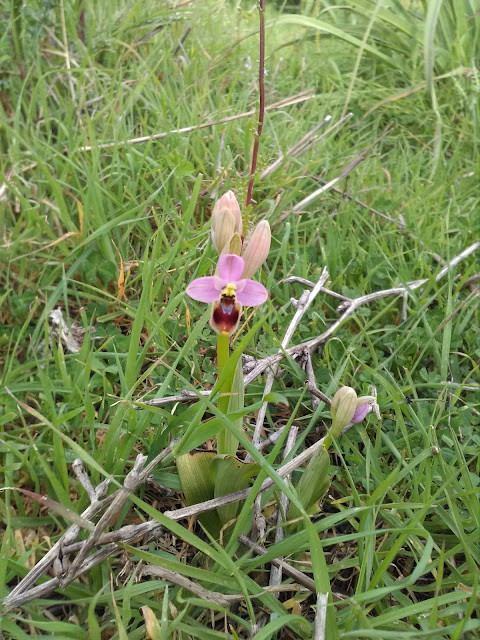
(227, 203)
(257, 248)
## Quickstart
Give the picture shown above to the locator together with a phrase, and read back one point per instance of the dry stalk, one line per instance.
(345, 171)
(261, 110)
(303, 305)
(299, 97)
(320, 617)
(276, 571)
(22, 594)
(299, 577)
(296, 149)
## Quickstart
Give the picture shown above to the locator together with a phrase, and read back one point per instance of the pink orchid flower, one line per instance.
(228, 292)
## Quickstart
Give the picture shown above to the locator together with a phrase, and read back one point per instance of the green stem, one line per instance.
(328, 441)
(226, 442)
(223, 353)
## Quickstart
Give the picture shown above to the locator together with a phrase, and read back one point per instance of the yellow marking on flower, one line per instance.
(230, 290)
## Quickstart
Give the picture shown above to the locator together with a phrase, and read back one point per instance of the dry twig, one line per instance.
(300, 97)
(276, 571)
(345, 171)
(320, 616)
(291, 572)
(296, 149)
(304, 303)
(348, 308)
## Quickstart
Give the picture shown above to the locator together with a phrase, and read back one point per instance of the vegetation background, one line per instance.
(112, 236)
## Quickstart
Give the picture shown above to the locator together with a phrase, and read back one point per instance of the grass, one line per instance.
(112, 237)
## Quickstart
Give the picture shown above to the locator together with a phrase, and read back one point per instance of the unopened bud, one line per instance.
(227, 202)
(342, 409)
(223, 228)
(257, 248)
(235, 244)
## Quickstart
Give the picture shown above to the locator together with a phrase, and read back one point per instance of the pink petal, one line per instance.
(360, 413)
(205, 289)
(251, 293)
(231, 267)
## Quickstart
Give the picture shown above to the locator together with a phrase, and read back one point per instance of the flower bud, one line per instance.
(235, 245)
(257, 248)
(342, 409)
(223, 228)
(227, 202)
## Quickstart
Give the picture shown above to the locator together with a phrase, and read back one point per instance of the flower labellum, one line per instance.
(228, 291)
(364, 407)
(226, 220)
(257, 248)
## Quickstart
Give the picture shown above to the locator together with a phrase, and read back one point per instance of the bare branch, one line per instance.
(295, 574)
(276, 571)
(345, 171)
(300, 97)
(317, 393)
(79, 470)
(297, 148)
(304, 303)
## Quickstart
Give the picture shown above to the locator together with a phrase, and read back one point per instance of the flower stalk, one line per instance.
(223, 353)
(261, 110)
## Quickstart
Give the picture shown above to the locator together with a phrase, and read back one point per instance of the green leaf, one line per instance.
(197, 484)
(313, 483)
(276, 398)
(227, 442)
(230, 474)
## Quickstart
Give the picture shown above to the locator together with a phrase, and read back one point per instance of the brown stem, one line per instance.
(261, 112)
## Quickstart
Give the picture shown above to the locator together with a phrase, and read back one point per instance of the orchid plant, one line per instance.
(211, 474)
(231, 287)
(229, 290)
